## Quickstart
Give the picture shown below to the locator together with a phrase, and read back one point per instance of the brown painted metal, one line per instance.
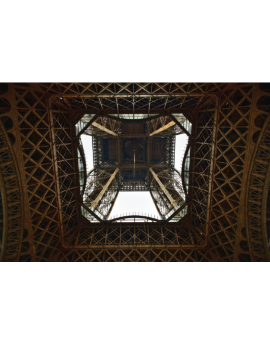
(228, 183)
(163, 188)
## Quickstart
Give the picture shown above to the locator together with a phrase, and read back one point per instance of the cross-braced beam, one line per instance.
(163, 128)
(102, 128)
(173, 202)
(104, 189)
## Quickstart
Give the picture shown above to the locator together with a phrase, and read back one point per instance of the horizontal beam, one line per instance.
(138, 246)
(106, 224)
(137, 166)
(123, 111)
(134, 136)
(131, 95)
(135, 216)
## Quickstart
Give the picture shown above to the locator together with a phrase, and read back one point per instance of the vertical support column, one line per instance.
(25, 221)
(192, 162)
(60, 216)
(5, 217)
(212, 170)
(250, 147)
(266, 190)
(76, 167)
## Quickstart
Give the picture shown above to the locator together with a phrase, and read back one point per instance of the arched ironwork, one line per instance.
(38, 119)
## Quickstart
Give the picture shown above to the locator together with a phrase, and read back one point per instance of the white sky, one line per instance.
(180, 147)
(139, 202)
(130, 202)
(87, 146)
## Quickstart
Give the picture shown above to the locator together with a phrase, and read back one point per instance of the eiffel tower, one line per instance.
(216, 207)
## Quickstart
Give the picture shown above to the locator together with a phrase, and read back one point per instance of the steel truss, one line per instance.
(135, 255)
(136, 235)
(67, 172)
(131, 96)
(11, 204)
(166, 189)
(236, 127)
(104, 127)
(111, 128)
(164, 126)
(228, 183)
(101, 191)
(258, 194)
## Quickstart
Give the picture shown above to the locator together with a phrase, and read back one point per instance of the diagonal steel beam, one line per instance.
(104, 129)
(178, 124)
(163, 128)
(88, 125)
(95, 202)
(172, 201)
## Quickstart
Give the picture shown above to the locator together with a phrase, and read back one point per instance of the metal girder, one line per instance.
(163, 128)
(89, 124)
(138, 234)
(257, 200)
(173, 202)
(137, 255)
(212, 167)
(179, 124)
(56, 173)
(238, 186)
(104, 129)
(131, 95)
(104, 189)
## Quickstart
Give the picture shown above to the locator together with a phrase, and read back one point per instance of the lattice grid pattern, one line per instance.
(36, 145)
(133, 255)
(232, 131)
(229, 177)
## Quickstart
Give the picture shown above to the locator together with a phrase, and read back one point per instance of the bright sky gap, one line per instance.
(135, 202)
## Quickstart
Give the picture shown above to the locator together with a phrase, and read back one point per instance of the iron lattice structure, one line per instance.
(131, 155)
(226, 187)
